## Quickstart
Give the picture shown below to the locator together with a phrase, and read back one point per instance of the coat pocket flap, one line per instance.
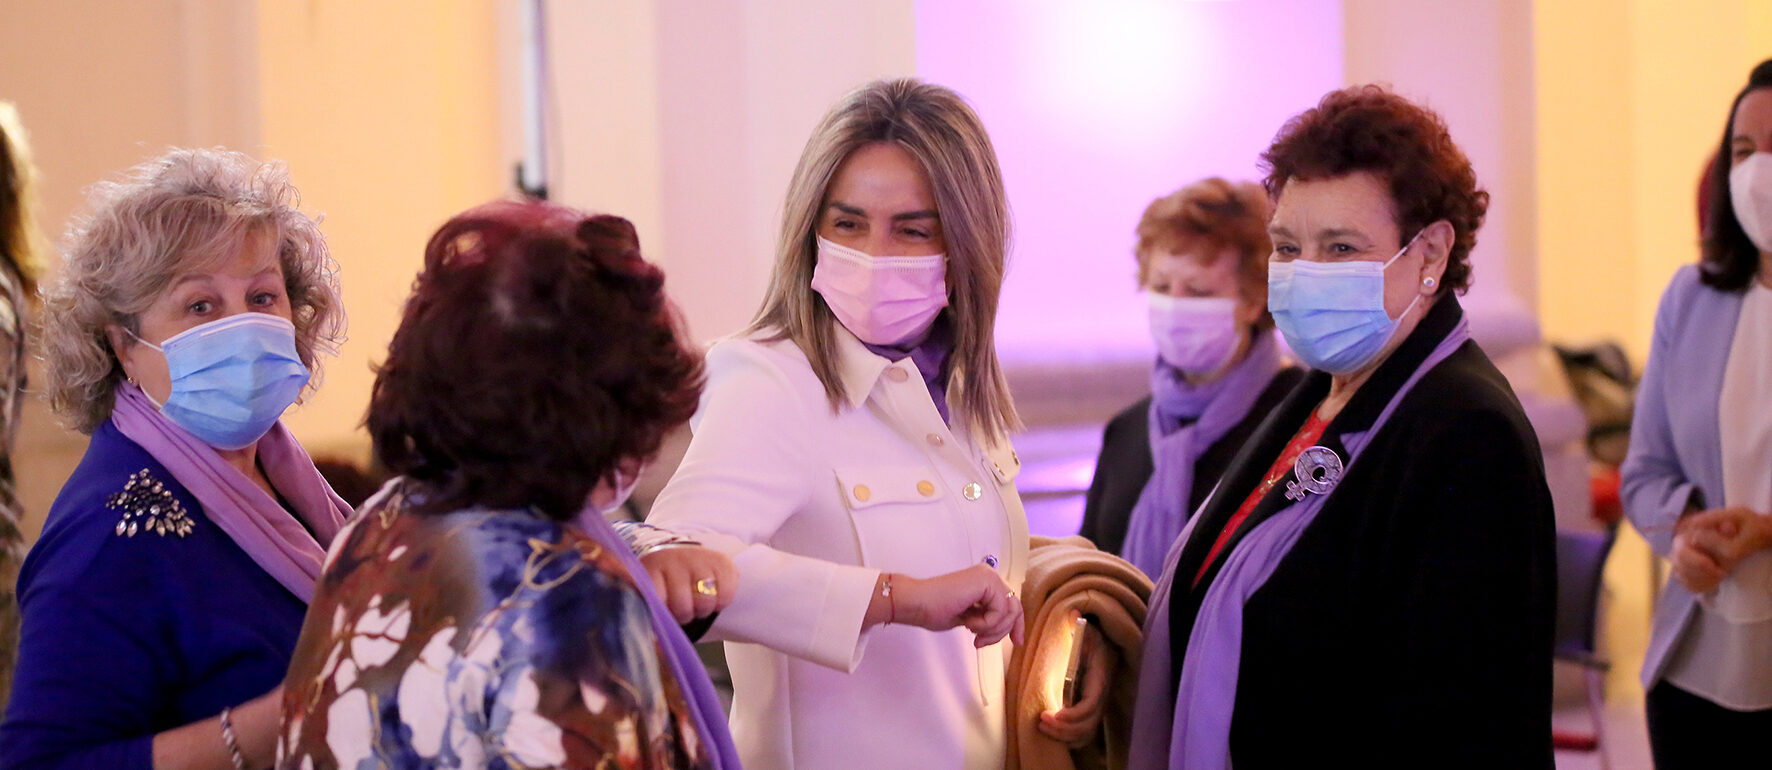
(869, 486)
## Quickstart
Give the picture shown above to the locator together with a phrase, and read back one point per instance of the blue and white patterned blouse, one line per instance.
(497, 639)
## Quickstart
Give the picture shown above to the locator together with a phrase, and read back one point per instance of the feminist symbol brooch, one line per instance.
(1318, 469)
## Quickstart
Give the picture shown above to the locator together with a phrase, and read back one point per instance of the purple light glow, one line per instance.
(1098, 108)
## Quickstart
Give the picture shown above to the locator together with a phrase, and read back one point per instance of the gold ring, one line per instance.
(705, 587)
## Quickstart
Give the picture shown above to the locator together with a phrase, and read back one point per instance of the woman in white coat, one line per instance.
(850, 455)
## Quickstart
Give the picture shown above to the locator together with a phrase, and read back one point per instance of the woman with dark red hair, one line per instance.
(480, 612)
(1372, 582)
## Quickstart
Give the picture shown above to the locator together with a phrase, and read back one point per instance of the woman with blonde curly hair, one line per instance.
(163, 600)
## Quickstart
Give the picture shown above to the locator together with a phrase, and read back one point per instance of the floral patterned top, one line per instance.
(495, 639)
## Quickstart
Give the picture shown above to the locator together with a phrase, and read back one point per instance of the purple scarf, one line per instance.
(931, 357)
(710, 718)
(1162, 507)
(1199, 717)
(251, 517)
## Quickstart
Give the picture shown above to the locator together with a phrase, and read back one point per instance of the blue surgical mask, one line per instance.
(232, 378)
(1332, 313)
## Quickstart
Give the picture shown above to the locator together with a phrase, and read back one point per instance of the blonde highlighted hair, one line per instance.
(937, 128)
(185, 210)
(22, 245)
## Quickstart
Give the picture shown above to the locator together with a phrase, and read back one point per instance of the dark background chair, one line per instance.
(1581, 559)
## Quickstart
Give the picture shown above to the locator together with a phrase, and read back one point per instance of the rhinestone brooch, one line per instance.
(148, 507)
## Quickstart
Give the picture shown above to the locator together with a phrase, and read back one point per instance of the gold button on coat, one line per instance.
(925, 488)
(896, 374)
(862, 493)
(934, 439)
(972, 491)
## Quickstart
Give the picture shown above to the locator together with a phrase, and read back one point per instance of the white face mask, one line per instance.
(1197, 335)
(1750, 190)
(624, 488)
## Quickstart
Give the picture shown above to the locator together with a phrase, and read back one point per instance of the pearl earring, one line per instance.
(1428, 282)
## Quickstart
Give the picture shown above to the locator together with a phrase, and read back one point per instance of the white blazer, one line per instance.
(813, 504)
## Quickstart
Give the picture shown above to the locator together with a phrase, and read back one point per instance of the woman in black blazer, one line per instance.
(1372, 583)
(1202, 258)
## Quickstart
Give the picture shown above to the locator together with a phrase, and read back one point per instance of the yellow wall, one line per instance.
(1631, 100)
(388, 116)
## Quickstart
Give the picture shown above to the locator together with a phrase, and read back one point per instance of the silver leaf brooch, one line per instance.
(148, 506)
(1318, 470)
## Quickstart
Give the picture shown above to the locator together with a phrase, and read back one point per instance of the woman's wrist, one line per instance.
(230, 741)
(889, 603)
(1760, 532)
(643, 538)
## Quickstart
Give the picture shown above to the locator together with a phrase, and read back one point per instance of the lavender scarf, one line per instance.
(1162, 507)
(931, 357)
(251, 517)
(710, 718)
(1199, 717)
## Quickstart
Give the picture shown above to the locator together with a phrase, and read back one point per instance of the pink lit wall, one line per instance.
(1098, 108)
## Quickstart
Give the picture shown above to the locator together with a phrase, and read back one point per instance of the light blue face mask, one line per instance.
(232, 378)
(1332, 313)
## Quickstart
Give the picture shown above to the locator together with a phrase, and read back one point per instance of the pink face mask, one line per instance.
(881, 300)
(1197, 335)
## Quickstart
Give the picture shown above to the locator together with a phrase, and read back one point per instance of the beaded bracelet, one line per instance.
(227, 731)
(891, 603)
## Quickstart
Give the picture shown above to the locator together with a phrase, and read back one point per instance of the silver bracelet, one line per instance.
(643, 538)
(655, 547)
(227, 730)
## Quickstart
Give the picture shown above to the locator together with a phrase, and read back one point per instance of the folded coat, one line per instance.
(1062, 576)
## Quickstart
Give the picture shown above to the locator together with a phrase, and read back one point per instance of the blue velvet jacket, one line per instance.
(132, 630)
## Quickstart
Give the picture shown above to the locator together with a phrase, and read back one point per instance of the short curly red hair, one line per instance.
(537, 354)
(1368, 128)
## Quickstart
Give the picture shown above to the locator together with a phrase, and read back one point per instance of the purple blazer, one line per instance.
(1675, 442)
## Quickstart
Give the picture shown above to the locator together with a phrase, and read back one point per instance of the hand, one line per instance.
(693, 581)
(1694, 565)
(1075, 725)
(1732, 534)
(975, 597)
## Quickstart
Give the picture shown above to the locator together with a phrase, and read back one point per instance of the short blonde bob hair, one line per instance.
(937, 128)
(179, 212)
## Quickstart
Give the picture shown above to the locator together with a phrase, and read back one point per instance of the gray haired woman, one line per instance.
(163, 600)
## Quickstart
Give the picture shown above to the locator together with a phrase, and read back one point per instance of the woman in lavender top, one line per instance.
(1696, 482)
